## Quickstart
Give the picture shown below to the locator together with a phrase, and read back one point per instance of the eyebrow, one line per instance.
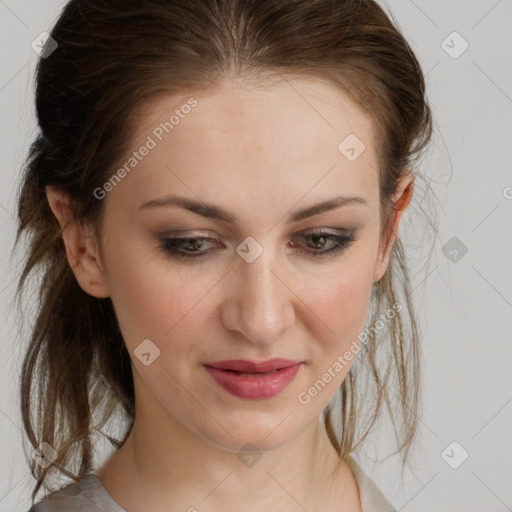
(214, 212)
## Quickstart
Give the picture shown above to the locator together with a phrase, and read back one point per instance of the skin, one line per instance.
(260, 152)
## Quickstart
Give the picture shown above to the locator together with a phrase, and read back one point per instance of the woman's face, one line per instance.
(246, 168)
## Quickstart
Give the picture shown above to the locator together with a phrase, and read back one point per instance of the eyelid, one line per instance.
(191, 233)
(333, 231)
(186, 233)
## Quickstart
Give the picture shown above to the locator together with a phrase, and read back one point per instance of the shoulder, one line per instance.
(85, 495)
(372, 499)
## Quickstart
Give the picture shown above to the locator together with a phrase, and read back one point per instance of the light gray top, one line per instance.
(89, 495)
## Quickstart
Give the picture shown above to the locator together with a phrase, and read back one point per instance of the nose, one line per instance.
(259, 304)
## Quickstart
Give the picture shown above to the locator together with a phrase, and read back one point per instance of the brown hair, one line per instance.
(112, 56)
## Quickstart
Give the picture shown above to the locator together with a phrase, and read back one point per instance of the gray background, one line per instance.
(465, 297)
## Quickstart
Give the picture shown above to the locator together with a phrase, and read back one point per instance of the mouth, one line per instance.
(253, 380)
(253, 374)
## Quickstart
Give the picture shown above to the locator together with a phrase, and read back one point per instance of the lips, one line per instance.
(246, 366)
(251, 379)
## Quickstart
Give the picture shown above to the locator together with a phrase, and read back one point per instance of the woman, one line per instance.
(215, 199)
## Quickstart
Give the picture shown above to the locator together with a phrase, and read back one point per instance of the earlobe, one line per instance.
(401, 201)
(81, 246)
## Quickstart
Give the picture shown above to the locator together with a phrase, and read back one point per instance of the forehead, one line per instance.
(280, 140)
(318, 105)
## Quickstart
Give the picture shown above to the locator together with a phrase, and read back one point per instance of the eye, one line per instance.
(321, 239)
(186, 247)
(196, 247)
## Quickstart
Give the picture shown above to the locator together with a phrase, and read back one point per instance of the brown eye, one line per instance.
(322, 239)
(186, 247)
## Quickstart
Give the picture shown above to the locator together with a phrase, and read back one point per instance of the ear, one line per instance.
(81, 245)
(401, 200)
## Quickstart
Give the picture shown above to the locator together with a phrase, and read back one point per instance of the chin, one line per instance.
(250, 430)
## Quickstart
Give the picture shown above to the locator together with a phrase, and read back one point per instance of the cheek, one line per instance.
(341, 297)
(349, 298)
(152, 298)
(341, 302)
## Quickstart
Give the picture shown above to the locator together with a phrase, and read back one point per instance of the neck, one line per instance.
(163, 462)
(195, 475)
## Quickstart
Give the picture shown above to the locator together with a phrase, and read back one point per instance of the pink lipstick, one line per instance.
(251, 379)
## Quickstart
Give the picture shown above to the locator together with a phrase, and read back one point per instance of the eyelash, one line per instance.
(341, 242)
